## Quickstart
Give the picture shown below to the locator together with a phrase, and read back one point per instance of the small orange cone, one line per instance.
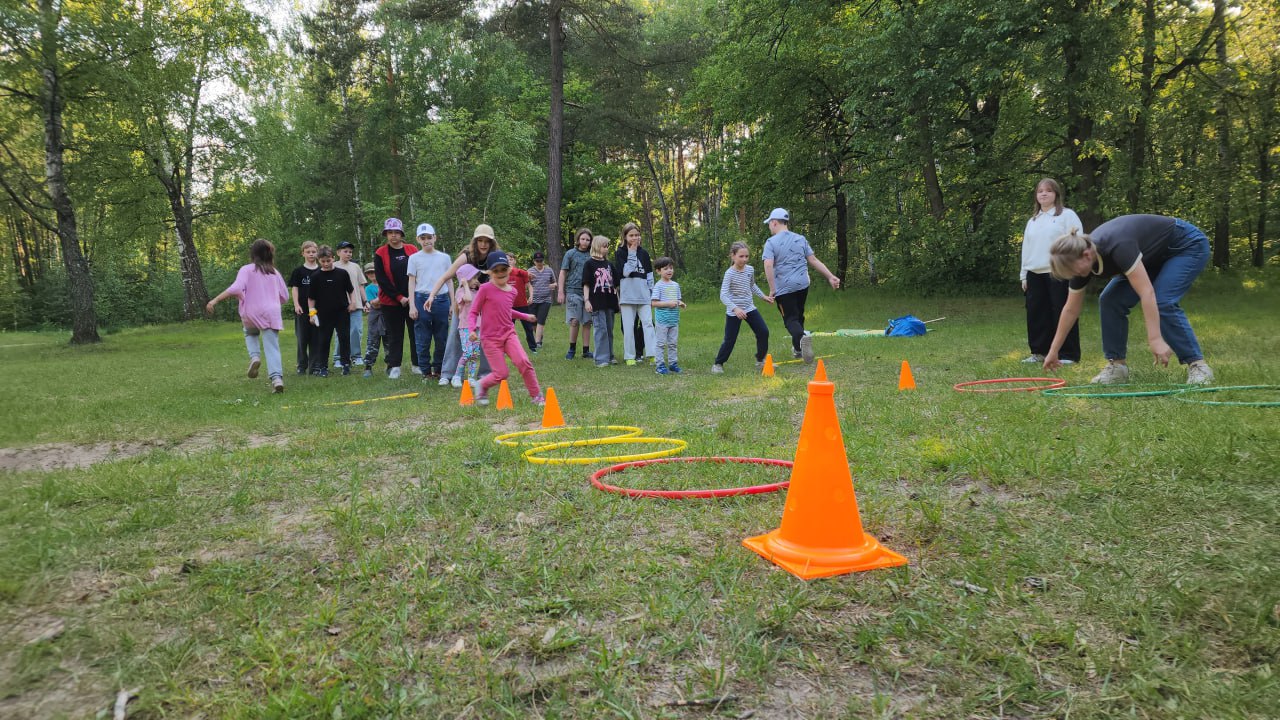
(551, 417)
(820, 375)
(768, 365)
(821, 533)
(467, 398)
(504, 397)
(906, 381)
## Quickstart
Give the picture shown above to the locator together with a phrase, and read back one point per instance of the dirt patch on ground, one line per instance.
(70, 456)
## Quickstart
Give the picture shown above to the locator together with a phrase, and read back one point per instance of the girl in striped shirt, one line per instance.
(736, 292)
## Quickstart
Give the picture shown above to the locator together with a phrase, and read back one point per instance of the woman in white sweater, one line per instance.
(1045, 296)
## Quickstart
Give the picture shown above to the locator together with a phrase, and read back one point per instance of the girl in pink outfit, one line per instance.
(260, 290)
(493, 304)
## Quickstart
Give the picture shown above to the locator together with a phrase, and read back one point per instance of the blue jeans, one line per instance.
(1188, 255)
(432, 326)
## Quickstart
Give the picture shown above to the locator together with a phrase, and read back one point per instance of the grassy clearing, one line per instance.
(1073, 557)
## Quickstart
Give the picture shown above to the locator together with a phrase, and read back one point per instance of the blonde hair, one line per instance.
(600, 246)
(1057, 197)
(1066, 251)
(308, 243)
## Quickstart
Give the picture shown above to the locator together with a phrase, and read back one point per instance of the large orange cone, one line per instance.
(820, 375)
(821, 533)
(906, 381)
(504, 397)
(767, 371)
(551, 417)
(467, 397)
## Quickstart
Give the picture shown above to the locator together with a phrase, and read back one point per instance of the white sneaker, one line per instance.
(1199, 373)
(1065, 362)
(415, 369)
(806, 349)
(394, 374)
(717, 369)
(358, 361)
(337, 364)
(444, 381)
(1036, 358)
(1115, 373)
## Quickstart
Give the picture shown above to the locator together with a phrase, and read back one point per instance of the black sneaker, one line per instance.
(586, 354)
(323, 372)
(346, 369)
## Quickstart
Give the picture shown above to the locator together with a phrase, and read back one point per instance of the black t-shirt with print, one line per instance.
(331, 290)
(600, 278)
(301, 278)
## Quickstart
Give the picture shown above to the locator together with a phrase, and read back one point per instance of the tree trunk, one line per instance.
(932, 188)
(1222, 121)
(1141, 123)
(1088, 169)
(84, 317)
(349, 131)
(555, 134)
(668, 230)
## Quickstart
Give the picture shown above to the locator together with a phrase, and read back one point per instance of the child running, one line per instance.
(666, 303)
(736, 293)
(469, 360)
(260, 290)
(493, 307)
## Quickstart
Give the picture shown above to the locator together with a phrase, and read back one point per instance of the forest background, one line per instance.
(145, 143)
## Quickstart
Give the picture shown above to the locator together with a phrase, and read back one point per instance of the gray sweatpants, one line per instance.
(667, 336)
(602, 330)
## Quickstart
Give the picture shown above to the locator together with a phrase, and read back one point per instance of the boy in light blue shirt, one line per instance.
(666, 315)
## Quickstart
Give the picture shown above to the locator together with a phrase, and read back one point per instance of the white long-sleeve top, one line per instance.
(1041, 231)
(737, 288)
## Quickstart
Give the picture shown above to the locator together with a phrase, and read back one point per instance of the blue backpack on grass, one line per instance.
(905, 326)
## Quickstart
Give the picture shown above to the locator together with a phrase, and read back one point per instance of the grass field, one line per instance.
(170, 527)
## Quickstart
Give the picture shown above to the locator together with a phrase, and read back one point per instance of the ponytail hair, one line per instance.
(1066, 251)
(734, 248)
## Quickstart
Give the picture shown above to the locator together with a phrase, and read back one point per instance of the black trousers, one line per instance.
(791, 305)
(731, 327)
(1045, 299)
(396, 320)
(322, 337)
(303, 329)
(528, 326)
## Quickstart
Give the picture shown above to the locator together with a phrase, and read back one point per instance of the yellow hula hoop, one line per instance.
(361, 402)
(532, 453)
(509, 439)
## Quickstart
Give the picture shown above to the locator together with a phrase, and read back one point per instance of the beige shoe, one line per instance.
(1115, 373)
(1199, 373)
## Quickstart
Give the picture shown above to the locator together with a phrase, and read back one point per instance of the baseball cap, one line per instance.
(426, 229)
(345, 244)
(778, 214)
(368, 267)
(482, 230)
(539, 256)
(496, 258)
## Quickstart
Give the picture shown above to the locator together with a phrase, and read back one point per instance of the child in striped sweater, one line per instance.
(736, 292)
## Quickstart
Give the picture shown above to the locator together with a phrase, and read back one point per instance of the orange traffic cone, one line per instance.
(768, 365)
(821, 533)
(504, 397)
(467, 397)
(551, 417)
(906, 381)
(820, 375)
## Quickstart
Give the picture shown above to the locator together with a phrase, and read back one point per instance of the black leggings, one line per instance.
(731, 326)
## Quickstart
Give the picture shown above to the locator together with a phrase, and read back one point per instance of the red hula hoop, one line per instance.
(691, 494)
(972, 385)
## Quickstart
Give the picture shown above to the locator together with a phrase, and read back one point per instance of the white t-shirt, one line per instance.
(1041, 231)
(357, 275)
(428, 267)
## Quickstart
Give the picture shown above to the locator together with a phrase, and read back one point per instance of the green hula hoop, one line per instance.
(509, 439)
(1092, 391)
(532, 453)
(1189, 396)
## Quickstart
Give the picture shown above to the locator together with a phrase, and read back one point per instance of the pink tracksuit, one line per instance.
(498, 336)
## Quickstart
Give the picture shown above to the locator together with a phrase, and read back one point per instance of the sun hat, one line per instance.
(393, 224)
(345, 244)
(368, 267)
(467, 271)
(482, 230)
(426, 229)
(496, 258)
(778, 214)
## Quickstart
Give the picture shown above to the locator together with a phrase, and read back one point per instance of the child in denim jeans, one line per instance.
(469, 362)
(666, 303)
